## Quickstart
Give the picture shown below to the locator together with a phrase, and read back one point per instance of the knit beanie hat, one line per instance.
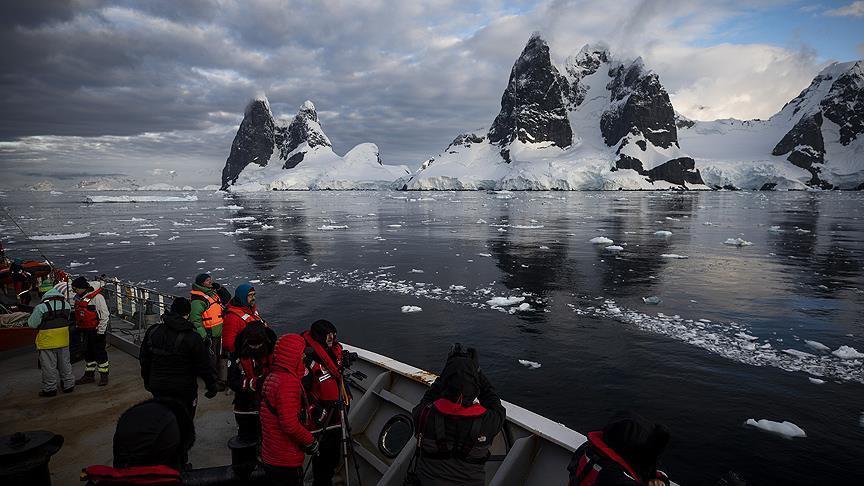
(181, 306)
(320, 329)
(80, 283)
(201, 278)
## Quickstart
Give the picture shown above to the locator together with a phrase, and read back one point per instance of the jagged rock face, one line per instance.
(465, 140)
(844, 104)
(305, 127)
(804, 144)
(578, 67)
(640, 104)
(532, 107)
(253, 142)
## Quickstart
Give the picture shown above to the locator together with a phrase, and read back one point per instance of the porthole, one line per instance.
(395, 435)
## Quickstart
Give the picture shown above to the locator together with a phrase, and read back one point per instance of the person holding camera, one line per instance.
(284, 415)
(324, 384)
(173, 356)
(455, 423)
(248, 368)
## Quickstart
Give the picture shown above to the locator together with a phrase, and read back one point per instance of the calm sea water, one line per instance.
(705, 359)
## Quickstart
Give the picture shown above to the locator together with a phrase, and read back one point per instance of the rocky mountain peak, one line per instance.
(304, 128)
(532, 107)
(253, 142)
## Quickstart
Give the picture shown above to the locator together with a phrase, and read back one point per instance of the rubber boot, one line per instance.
(103, 379)
(89, 377)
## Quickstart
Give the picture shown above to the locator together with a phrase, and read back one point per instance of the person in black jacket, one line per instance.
(458, 417)
(155, 432)
(173, 356)
(624, 453)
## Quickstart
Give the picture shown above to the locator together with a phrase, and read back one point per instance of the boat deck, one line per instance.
(86, 418)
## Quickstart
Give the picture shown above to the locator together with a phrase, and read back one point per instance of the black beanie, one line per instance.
(181, 306)
(201, 278)
(80, 283)
(320, 329)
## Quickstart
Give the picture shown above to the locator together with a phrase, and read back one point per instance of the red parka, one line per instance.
(283, 436)
(326, 370)
(234, 320)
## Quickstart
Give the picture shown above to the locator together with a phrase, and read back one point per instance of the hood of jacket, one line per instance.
(461, 380)
(241, 295)
(288, 354)
(56, 293)
(176, 322)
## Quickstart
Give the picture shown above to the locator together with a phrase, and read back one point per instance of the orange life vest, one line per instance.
(85, 313)
(212, 315)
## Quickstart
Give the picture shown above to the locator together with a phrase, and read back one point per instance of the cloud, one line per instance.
(854, 9)
(131, 85)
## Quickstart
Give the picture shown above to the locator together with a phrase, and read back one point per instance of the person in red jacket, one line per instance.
(241, 311)
(324, 384)
(284, 438)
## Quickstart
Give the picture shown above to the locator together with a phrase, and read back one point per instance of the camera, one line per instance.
(348, 358)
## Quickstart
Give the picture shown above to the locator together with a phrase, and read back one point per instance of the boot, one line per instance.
(89, 377)
(52, 393)
(103, 379)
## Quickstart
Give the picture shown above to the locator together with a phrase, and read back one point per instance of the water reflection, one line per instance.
(283, 235)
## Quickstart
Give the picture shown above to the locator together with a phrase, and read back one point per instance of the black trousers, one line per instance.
(324, 465)
(188, 399)
(248, 426)
(95, 353)
(283, 476)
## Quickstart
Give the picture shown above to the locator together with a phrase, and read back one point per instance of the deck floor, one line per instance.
(86, 418)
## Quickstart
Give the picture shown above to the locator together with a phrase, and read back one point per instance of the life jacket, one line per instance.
(243, 315)
(85, 313)
(212, 315)
(55, 318)
(596, 458)
(326, 372)
(137, 475)
(473, 449)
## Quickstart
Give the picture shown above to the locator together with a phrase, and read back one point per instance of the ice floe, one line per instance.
(614, 248)
(180, 284)
(231, 207)
(60, 237)
(504, 301)
(652, 300)
(817, 345)
(531, 365)
(847, 352)
(407, 309)
(331, 227)
(739, 242)
(784, 429)
(310, 279)
(674, 256)
(816, 381)
(663, 233)
(600, 240)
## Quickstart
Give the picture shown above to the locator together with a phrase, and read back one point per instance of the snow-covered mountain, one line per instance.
(596, 123)
(270, 154)
(815, 141)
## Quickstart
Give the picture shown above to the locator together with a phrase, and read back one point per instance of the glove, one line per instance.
(211, 392)
(312, 449)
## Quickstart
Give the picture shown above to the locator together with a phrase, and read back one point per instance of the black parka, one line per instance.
(172, 358)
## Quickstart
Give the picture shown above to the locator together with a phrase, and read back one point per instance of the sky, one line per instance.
(138, 88)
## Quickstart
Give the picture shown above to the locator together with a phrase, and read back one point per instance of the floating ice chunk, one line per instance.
(674, 256)
(543, 247)
(180, 284)
(109, 233)
(502, 230)
(76, 264)
(524, 307)
(394, 225)
(211, 228)
(331, 227)
(456, 288)
(614, 248)
(407, 309)
(652, 300)
(239, 219)
(266, 227)
(785, 429)
(132, 220)
(817, 345)
(528, 226)
(847, 352)
(531, 365)
(663, 233)
(481, 221)
(801, 231)
(746, 337)
(484, 254)
(68, 236)
(309, 279)
(798, 354)
(600, 240)
(416, 270)
(231, 207)
(504, 301)
(387, 267)
(816, 381)
(201, 261)
(737, 242)
(775, 229)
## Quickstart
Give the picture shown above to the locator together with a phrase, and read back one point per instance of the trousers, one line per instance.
(95, 354)
(56, 368)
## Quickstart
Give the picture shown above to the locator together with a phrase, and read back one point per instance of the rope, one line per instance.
(9, 215)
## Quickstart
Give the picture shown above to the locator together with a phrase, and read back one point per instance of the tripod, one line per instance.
(347, 440)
